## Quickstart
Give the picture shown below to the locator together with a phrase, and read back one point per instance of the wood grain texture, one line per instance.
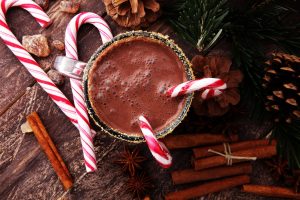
(25, 172)
(14, 78)
(23, 164)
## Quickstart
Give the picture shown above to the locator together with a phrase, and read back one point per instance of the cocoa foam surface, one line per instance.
(130, 78)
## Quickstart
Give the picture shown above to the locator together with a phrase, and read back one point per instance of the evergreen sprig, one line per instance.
(288, 138)
(202, 23)
(251, 28)
(248, 27)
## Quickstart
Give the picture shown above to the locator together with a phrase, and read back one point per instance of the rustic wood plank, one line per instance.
(60, 21)
(108, 183)
(25, 172)
(14, 78)
(22, 165)
(24, 169)
(18, 151)
(18, 146)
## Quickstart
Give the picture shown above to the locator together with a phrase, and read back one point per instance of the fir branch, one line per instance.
(202, 23)
(288, 139)
(248, 28)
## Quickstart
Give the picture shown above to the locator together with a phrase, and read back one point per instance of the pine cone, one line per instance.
(282, 87)
(217, 67)
(132, 13)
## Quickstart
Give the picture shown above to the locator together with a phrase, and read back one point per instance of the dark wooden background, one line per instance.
(25, 172)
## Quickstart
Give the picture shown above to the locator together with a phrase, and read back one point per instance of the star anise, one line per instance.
(278, 167)
(130, 160)
(139, 185)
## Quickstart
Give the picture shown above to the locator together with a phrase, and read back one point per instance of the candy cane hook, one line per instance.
(212, 86)
(78, 95)
(26, 59)
(158, 150)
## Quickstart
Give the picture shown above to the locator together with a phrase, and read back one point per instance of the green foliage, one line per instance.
(255, 25)
(249, 28)
(200, 22)
(288, 138)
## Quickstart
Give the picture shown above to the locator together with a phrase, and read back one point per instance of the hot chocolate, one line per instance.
(129, 78)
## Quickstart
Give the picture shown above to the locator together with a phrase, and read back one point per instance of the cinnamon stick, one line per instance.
(193, 140)
(190, 175)
(50, 150)
(214, 161)
(50, 142)
(271, 191)
(202, 152)
(207, 188)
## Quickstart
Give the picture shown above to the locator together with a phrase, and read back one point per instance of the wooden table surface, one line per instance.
(25, 172)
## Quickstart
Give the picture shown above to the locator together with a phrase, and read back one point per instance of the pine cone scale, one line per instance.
(141, 9)
(290, 86)
(116, 3)
(134, 6)
(217, 67)
(122, 10)
(111, 10)
(132, 13)
(282, 84)
(152, 5)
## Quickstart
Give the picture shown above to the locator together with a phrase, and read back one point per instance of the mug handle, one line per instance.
(69, 67)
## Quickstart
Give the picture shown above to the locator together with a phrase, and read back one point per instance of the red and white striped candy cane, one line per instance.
(78, 95)
(212, 86)
(26, 59)
(158, 150)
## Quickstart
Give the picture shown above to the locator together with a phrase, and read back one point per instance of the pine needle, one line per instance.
(248, 28)
(199, 21)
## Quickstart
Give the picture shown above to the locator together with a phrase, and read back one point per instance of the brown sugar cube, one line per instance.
(36, 44)
(70, 6)
(58, 45)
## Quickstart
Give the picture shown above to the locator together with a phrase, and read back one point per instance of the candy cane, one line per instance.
(212, 86)
(78, 95)
(158, 150)
(26, 59)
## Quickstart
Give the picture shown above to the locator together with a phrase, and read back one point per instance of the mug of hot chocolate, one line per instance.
(128, 77)
(137, 74)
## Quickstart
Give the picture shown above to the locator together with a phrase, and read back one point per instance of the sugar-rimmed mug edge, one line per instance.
(116, 133)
